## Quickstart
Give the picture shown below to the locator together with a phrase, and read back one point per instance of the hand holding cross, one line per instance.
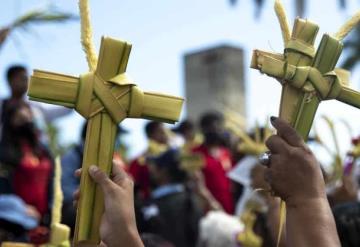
(104, 97)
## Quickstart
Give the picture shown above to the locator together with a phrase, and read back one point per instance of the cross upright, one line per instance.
(307, 76)
(104, 97)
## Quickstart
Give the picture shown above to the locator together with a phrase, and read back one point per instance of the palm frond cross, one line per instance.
(308, 76)
(104, 96)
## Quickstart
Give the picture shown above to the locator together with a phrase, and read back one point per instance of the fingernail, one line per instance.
(93, 168)
(272, 118)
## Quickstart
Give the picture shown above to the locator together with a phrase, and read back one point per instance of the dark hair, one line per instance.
(14, 70)
(209, 118)
(347, 218)
(151, 127)
(184, 126)
(10, 151)
(177, 175)
(170, 161)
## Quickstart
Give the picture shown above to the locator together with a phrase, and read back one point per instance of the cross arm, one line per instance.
(161, 107)
(62, 90)
(349, 96)
(269, 63)
(53, 88)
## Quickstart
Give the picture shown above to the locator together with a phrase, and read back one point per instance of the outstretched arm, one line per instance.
(295, 176)
(118, 222)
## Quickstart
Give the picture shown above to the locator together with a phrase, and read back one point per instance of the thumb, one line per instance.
(287, 132)
(100, 178)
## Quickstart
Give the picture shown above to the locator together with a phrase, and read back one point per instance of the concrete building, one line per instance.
(214, 78)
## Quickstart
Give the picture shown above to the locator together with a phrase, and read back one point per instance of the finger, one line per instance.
(119, 162)
(100, 178)
(77, 172)
(276, 144)
(118, 173)
(287, 132)
(268, 176)
(76, 194)
(76, 197)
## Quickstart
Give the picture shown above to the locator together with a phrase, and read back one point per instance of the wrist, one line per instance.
(305, 202)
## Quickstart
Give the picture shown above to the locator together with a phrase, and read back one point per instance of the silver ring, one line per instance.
(264, 158)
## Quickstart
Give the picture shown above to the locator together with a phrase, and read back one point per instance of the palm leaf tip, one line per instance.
(47, 16)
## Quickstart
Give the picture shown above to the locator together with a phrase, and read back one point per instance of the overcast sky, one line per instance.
(161, 31)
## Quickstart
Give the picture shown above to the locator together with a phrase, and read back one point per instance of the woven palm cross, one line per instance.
(308, 76)
(104, 97)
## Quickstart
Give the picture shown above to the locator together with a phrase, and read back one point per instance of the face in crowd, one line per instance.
(18, 80)
(156, 132)
(212, 127)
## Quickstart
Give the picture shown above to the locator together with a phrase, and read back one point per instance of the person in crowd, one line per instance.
(347, 191)
(158, 142)
(18, 82)
(70, 162)
(28, 163)
(217, 159)
(347, 218)
(16, 218)
(219, 229)
(172, 211)
(256, 199)
(206, 200)
(187, 130)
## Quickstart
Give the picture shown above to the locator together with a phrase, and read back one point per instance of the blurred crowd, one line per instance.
(196, 184)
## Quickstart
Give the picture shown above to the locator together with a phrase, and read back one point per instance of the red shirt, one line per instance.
(139, 171)
(31, 179)
(216, 166)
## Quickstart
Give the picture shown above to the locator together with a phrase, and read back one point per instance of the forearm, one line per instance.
(273, 221)
(126, 237)
(210, 202)
(311, 223)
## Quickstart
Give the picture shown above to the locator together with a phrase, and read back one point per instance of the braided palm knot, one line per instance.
(97, 93)
(307, 78)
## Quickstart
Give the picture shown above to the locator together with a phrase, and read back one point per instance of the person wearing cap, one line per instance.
(172, 211)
